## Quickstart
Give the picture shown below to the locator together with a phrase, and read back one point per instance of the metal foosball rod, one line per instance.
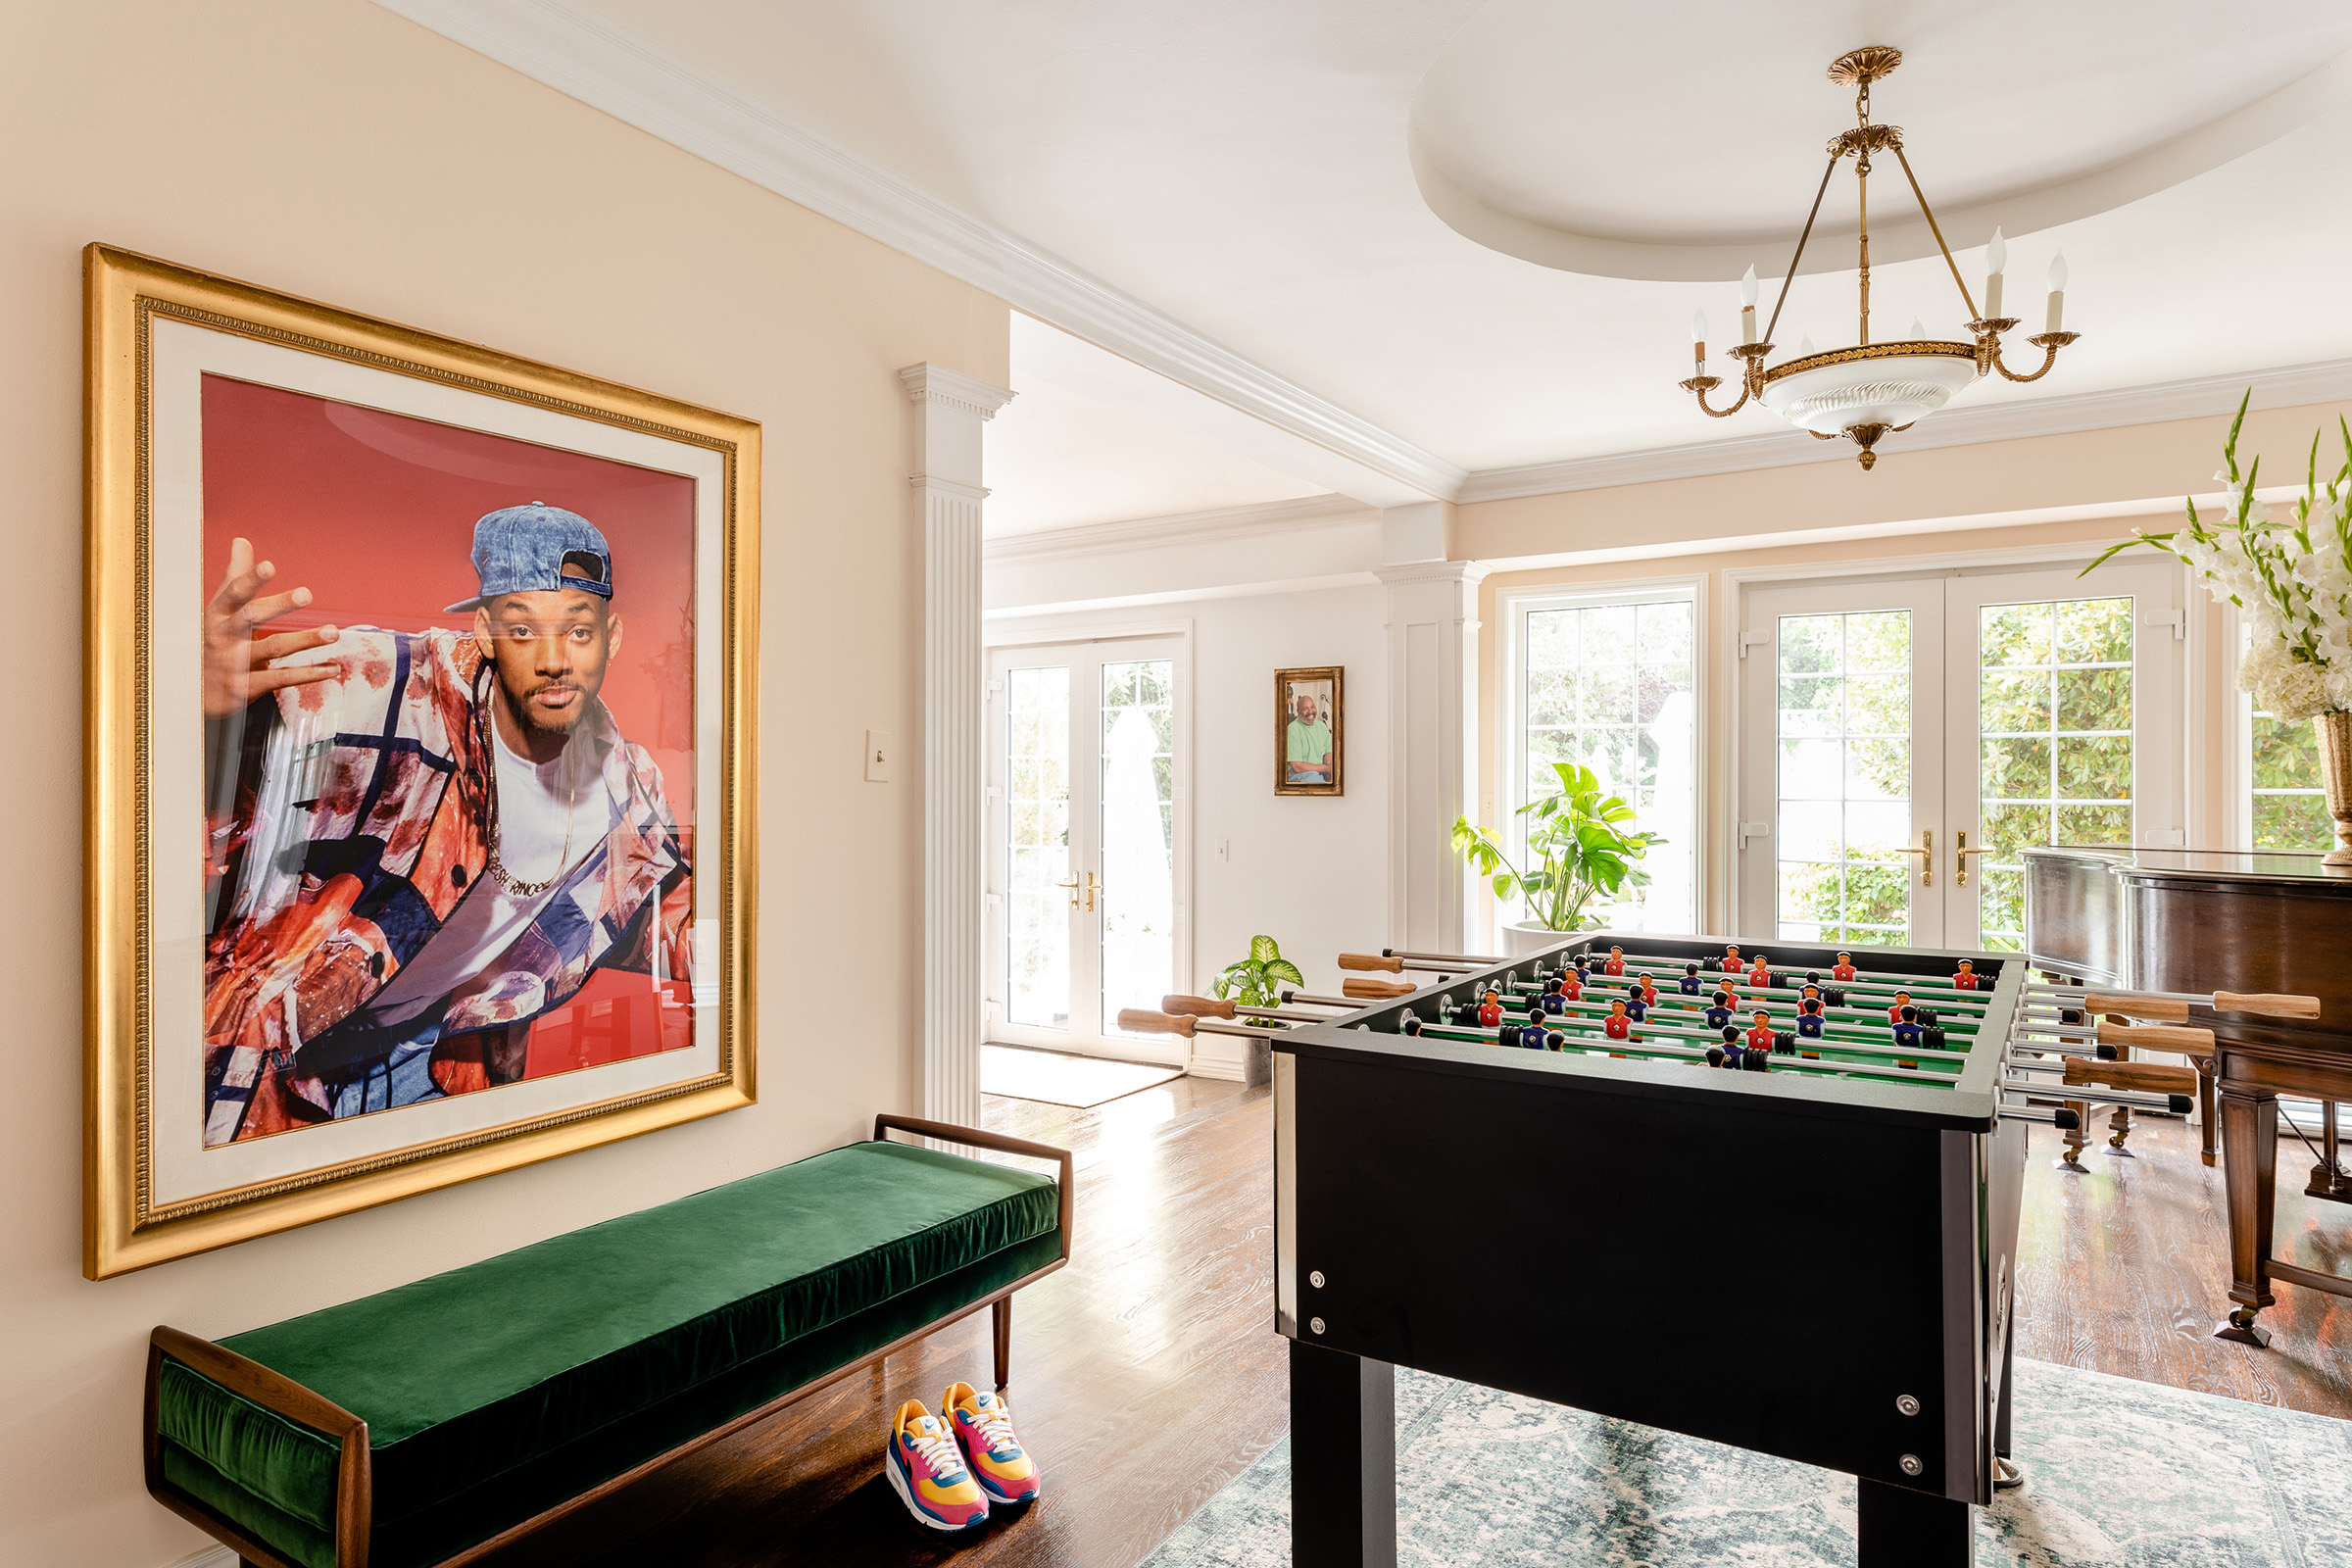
(1303, 999)
(1890, 1053)
(1659, 1050)
(1467, 961)
(2176, 1104)
(1943, 990)
(2174, 1005)
(1199, 1008)
(2143, 1036)
(1143, 1021)
(1841, 1015)
(2145, 1077)
(1398, 963)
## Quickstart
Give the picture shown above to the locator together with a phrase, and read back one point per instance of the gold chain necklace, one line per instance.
(515, 886)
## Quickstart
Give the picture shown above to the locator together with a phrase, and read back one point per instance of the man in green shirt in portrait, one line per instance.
(1308, 744)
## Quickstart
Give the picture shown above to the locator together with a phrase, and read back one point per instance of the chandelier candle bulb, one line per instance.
(1748, 306)
(1996, 262)
(1698, 343)
(2057, 290)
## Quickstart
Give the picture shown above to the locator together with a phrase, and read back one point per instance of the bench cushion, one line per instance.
(541, 1372)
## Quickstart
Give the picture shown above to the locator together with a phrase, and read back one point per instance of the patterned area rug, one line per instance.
(2119, 1474)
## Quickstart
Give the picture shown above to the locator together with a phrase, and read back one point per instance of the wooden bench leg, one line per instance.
(1001, 1315)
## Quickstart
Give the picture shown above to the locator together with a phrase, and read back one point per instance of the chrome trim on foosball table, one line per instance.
(1286, 1194)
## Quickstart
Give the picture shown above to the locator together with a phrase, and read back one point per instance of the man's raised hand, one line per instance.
(236, 663)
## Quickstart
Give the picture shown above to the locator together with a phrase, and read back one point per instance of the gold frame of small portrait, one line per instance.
(1282, 681)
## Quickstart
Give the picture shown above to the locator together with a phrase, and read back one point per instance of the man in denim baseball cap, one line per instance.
(500, 839)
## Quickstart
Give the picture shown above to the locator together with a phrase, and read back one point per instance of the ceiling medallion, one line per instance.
(1866, 391)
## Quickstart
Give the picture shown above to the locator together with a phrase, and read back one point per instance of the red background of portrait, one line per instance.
(374, 513)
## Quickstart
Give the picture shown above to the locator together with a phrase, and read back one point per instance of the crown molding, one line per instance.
(2283, 387)
(1257, 521)
(587, 56)
(953, 389)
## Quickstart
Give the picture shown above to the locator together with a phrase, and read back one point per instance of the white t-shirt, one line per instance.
(536, 800)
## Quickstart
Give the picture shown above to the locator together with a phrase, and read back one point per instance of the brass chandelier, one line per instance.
(1871, 389)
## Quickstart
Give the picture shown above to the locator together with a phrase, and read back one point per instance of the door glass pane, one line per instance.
(1844, 777)
(1138, 900)
(1610, 686)
(2054, 734)
(2289, 809)
(1037, 847)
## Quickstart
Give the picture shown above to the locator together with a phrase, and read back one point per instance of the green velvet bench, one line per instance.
(433, 1423)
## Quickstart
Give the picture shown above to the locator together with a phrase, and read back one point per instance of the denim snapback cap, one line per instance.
(536, 547)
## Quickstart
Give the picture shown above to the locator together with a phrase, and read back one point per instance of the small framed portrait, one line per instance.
(1310, 738)
(419, 766)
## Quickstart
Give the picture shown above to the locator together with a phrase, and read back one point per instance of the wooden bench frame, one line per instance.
(354, 1494)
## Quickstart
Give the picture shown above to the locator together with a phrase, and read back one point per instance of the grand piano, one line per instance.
(2200, 921)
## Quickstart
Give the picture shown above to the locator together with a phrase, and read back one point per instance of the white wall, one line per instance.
(329, 149)
(1311, 872)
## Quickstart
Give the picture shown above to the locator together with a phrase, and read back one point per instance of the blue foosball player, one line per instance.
(1635, 1008)
(1532, 1034)
(1907, 1031)
(1718, 1010)
(1556, 998)
(1809, 1021)
(1690, 984)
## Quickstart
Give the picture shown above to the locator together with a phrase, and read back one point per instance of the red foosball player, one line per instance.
(1731, 963)
(1902, 1000)
(1617, 1026)
(1966, 979)
(1649, 991)
(1759, 1038)
(1842, 971)
(1760, 973)
(1615, 964)
(1571, 986)
(1489, 1008)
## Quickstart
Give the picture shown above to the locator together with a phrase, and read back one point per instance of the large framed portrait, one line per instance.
(419, 761)
(1310, 742)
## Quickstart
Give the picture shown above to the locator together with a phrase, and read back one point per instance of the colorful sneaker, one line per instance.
(983, 1424)
(928, 1473)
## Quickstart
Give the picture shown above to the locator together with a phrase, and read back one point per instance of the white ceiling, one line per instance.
(1246, 168)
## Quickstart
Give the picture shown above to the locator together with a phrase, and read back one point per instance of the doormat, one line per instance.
(1060, 1079)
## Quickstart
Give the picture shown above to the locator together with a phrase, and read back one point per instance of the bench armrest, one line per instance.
(281, 1395)
(975, 1138)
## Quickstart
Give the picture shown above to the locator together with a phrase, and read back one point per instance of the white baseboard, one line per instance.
(1229, 1071)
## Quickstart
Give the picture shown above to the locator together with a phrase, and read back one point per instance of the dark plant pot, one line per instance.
(1257, 1064)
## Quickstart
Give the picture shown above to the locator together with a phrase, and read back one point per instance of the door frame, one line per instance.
(2199, 724)
(1161, 1050)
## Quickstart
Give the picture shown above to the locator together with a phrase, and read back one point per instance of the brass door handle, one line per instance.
(1925, 851)
(1071, 887)
(1093, 887)
(1960, 859)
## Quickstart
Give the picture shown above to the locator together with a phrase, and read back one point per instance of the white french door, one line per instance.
(1085, 859)
(1903, 738)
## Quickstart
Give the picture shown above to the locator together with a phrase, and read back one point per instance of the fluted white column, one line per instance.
(1433, 772)
(949, 409)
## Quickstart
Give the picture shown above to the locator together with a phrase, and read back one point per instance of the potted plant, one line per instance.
(1582, 849)
(1252, 982)
(2293, 583)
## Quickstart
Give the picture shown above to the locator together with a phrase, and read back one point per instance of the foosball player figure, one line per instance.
(1966, 979)
(1615, 964)
(1635, 1008)
(1906, 1028)
(1532, 1032)
(1571, 985)
(1617, 1026)
(1894, 1013)
(1690, 984)
(1408, 1025)
(1759, 1037)
(1759, 973)
(1719, 1009)
(1555, 996)
(1808, 1018)
(1731, 959)
(1842, 971)
(1716, 1056)
(1489, 1008)
(1649, 991)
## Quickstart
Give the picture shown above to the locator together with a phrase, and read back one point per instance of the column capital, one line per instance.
(1469, 573)
(941, 387)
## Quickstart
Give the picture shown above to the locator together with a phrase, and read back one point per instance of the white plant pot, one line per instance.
(1521, 938)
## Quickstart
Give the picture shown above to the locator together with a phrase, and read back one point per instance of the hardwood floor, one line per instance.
(2126, 1269)
(1146, 1375)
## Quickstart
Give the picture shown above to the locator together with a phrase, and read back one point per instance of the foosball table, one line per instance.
(1791, 1229)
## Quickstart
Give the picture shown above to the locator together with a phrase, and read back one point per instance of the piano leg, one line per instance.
(2251, 1174)
(2207, 1131)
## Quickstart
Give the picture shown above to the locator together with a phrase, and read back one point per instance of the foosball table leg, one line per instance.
(1898, 1528)
(1343, 1460)
(2118, 1123)
(2073, 1139)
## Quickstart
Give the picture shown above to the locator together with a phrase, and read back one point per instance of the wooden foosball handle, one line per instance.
(2164, 1009)
(2157, 1037)
(2268, 1005)
(1375, 989)
(2150, 1076)
(1371, 960)
(1143, 1021)
(1197, 1006)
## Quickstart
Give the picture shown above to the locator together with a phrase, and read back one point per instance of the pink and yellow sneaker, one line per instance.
(983, 1424)
(926, 1469)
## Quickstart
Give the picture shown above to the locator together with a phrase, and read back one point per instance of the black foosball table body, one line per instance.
(1804, 1265)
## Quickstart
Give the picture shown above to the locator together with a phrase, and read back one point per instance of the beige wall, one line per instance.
(1916, 503)
(329, 149)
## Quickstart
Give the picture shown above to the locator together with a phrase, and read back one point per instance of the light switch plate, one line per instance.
(881, 753)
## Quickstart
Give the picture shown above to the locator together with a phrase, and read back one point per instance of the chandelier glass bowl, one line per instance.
(1864, 392)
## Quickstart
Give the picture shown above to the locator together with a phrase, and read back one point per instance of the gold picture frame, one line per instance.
(1327, 687)
(143, 788)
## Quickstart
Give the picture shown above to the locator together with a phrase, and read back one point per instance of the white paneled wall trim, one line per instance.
(1433, 707)
(950, 408)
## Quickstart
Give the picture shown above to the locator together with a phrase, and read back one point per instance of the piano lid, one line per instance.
(2210, 865)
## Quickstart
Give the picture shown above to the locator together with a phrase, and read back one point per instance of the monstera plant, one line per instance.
(1582, 849)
